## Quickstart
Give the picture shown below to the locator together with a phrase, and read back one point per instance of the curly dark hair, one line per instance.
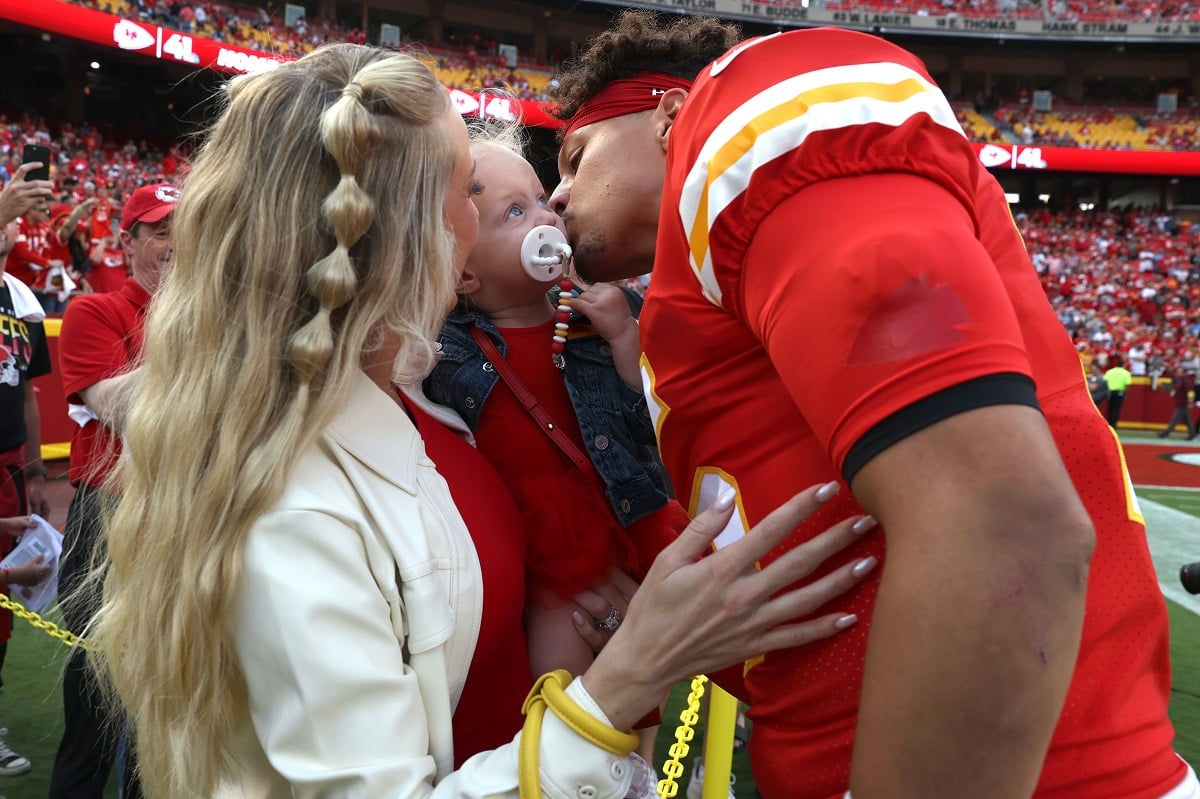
(640, 42)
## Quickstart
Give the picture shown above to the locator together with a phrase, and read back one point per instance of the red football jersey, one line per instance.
(818, 183)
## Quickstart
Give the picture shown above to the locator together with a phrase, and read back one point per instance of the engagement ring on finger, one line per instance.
(610, 622)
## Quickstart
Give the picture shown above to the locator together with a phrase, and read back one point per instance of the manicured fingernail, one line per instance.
(577, 618)
(863, 566)
(725, 501)
(849, 620)
(827, 491)
(864, 524)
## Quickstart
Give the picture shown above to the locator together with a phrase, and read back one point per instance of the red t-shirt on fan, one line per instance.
(108, 275)
(101, 336)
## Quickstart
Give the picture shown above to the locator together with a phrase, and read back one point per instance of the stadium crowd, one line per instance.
(1105, 127)
(471, 60)
(256, 27)
(466, 60)
(1125, 284)
(69, 244)
(1065, 10)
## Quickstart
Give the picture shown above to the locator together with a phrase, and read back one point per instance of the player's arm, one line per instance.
(977, 624)
(916, 384)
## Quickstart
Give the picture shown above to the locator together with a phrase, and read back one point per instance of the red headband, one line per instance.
(625, 96)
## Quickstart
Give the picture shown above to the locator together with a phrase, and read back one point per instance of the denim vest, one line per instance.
(617, 431)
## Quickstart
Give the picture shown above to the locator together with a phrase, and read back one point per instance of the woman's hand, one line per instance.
(693, 615)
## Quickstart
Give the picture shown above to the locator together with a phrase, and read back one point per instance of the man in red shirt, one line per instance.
(101, 336)
(839, 292)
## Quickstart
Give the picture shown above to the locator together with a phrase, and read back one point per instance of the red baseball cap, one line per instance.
(149, 204)
(59, 210)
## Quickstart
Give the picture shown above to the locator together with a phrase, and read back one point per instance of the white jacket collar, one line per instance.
(374, 429)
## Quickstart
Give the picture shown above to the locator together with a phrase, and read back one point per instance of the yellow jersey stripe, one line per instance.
(654, 403)
(778, 120)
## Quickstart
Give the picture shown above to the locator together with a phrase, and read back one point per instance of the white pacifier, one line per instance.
(544, 253)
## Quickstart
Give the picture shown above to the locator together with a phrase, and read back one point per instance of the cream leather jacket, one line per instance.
(355, 622)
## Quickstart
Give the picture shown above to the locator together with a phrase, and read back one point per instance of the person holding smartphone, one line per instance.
(28, 259)
(23, 356)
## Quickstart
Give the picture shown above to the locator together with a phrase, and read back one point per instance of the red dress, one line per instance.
(489, 712)
(573, 537)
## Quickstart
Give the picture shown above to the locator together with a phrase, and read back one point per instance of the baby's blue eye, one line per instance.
(514, 211)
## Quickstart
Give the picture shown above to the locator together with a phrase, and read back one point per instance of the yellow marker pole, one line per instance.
(718, 744)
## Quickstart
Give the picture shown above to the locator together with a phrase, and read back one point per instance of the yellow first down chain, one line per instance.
(668, 787)
(48, 627)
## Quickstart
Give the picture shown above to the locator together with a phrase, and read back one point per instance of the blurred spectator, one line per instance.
(1118, 379)
(108, 266)
(1183, 395)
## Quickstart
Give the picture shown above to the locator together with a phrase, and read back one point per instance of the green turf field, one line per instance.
(1174, 530)
(30, 703)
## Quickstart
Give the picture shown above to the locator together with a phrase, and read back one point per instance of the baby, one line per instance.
(549, 383)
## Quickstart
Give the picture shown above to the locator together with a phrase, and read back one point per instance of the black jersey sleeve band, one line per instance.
(980, 392)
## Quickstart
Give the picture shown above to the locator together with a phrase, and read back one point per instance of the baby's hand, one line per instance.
(605, 307)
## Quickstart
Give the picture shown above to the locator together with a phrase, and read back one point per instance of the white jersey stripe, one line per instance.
(779, 119)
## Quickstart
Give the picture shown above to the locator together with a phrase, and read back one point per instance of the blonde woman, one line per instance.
(292, 600)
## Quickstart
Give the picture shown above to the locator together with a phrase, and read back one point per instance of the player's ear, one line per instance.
(664, 115)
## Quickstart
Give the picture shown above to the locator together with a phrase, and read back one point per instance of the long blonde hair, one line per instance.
(311, 229)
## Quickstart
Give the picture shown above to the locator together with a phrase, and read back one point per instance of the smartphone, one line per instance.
(37, 152)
